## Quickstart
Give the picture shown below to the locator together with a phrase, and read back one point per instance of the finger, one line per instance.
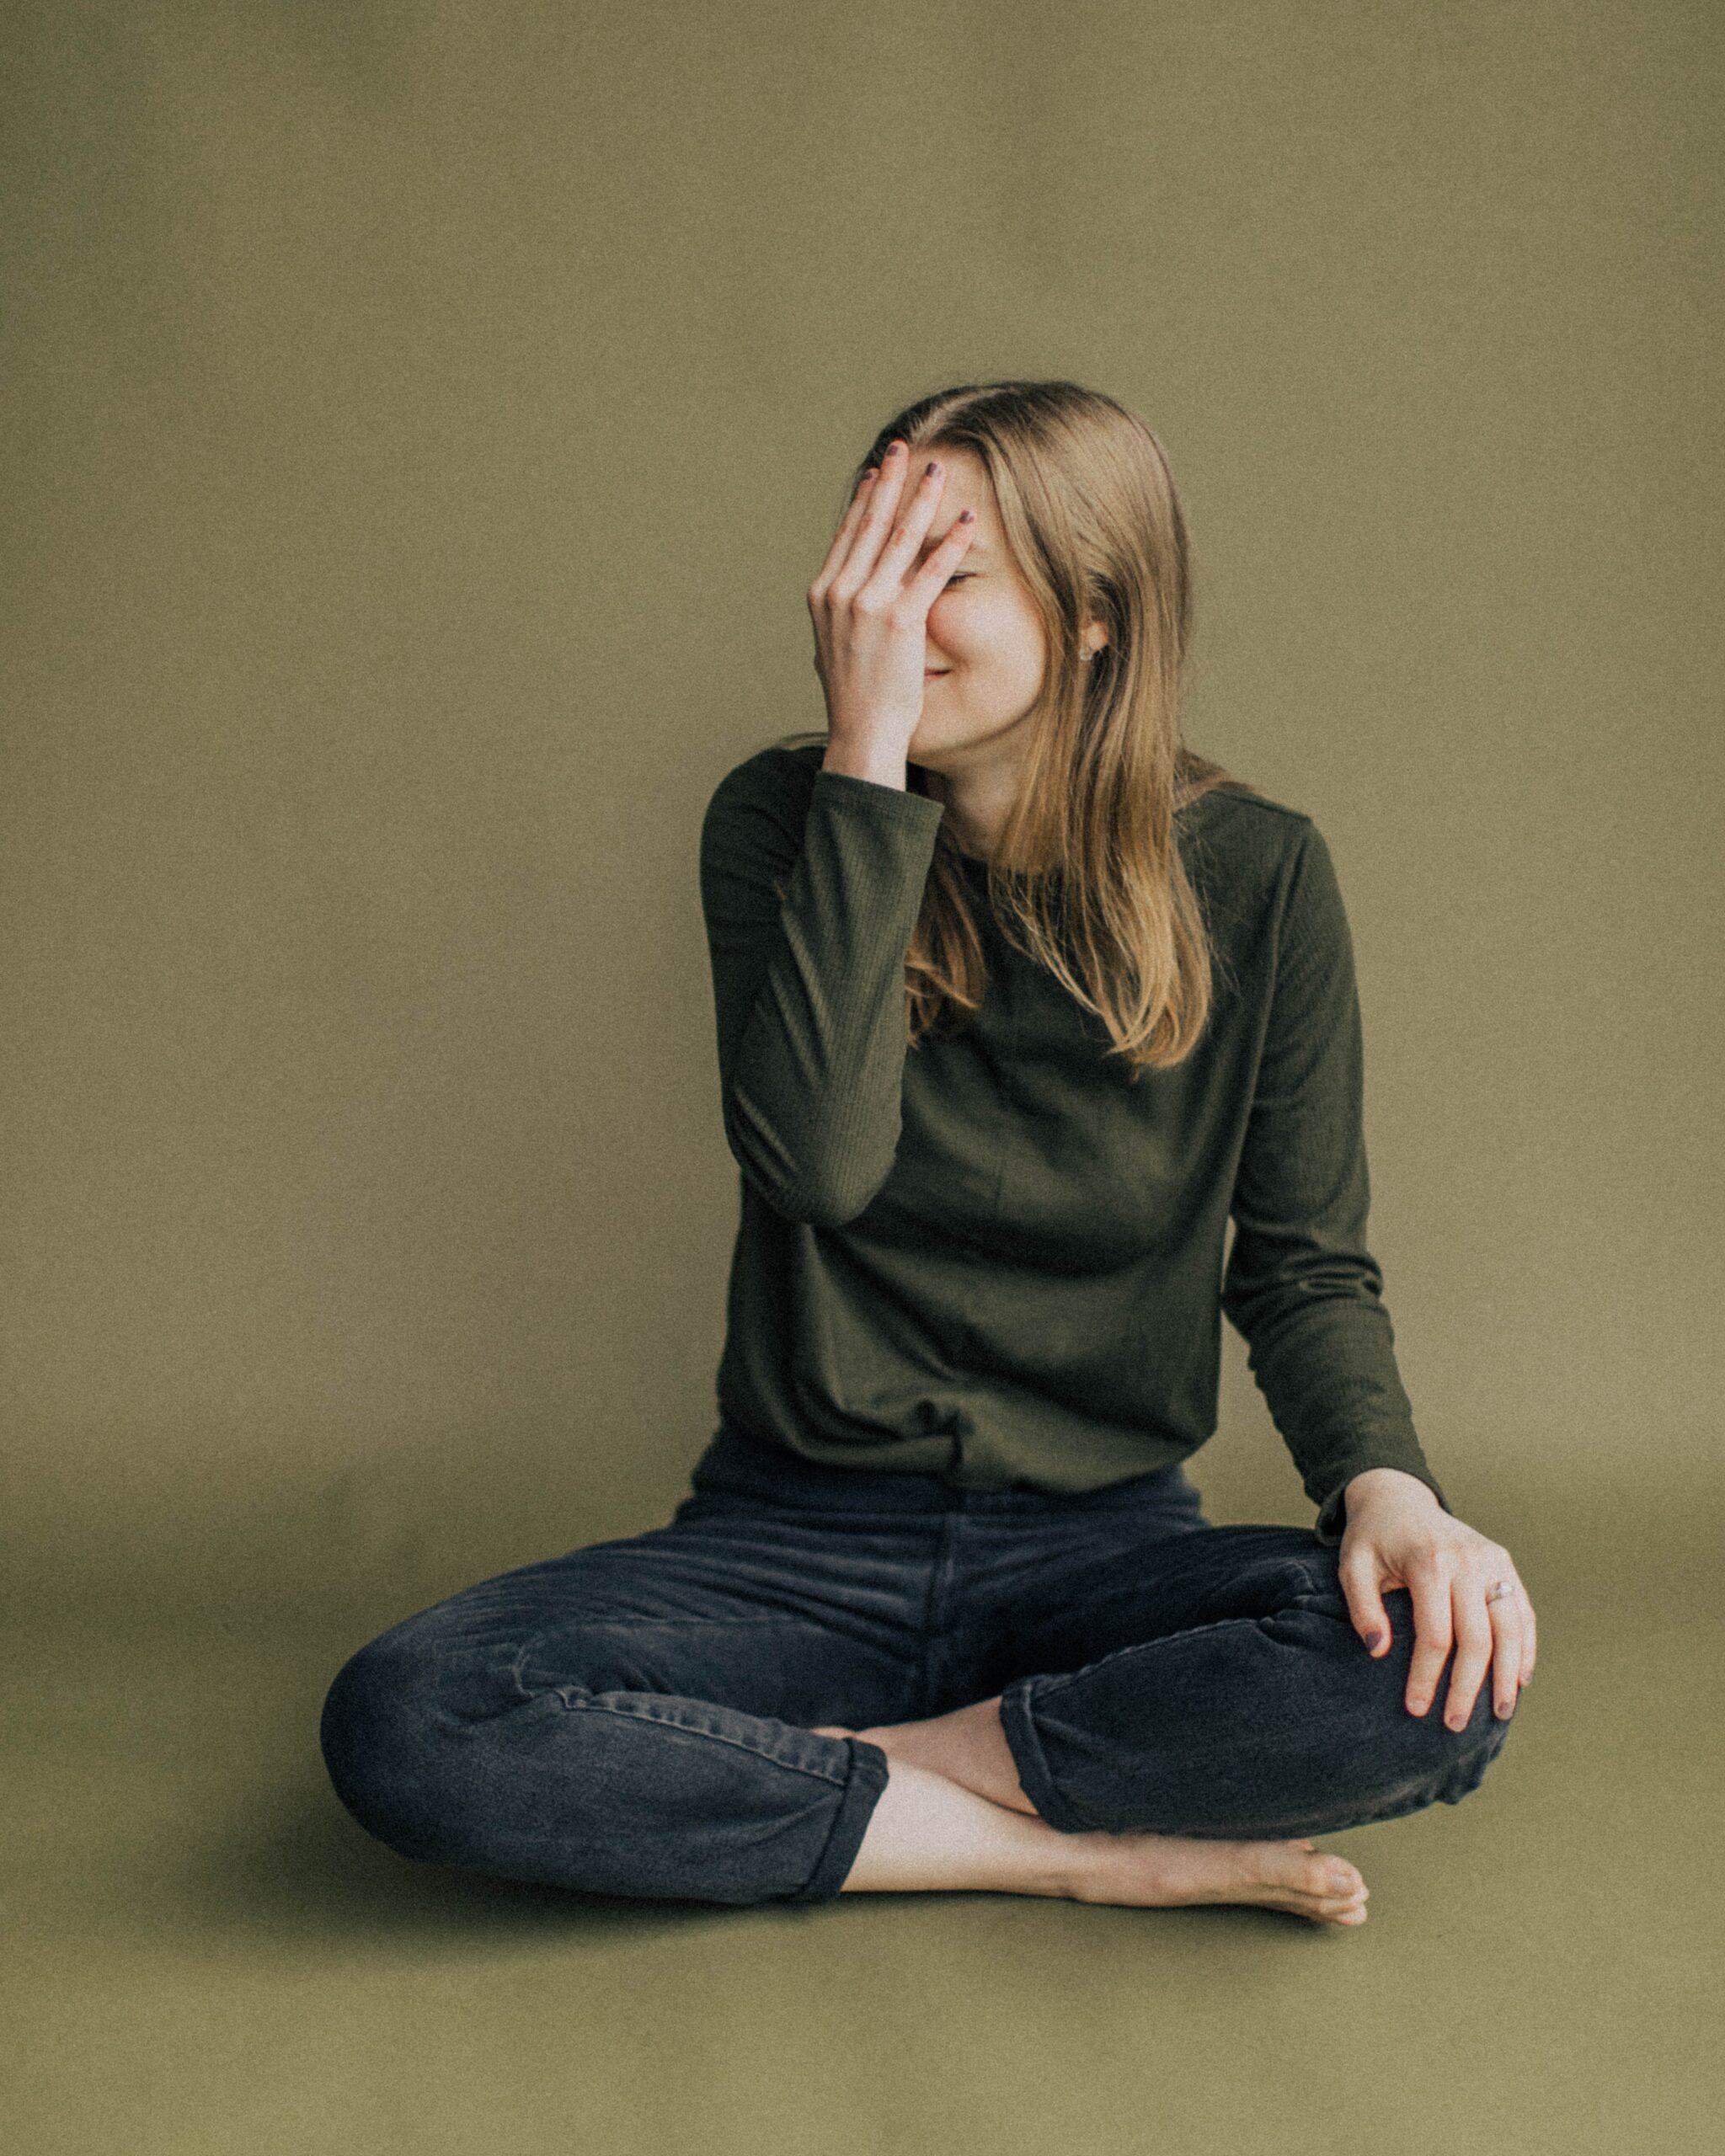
(1507, 1628)
(1358, 1575)
(1530, 1646)
(917, 513)
(925, 587)
(1428, 1585)
(842, 538)
(1472, 1626)
(882, 507)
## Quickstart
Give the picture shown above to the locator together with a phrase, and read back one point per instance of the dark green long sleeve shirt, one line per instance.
(992, 1257)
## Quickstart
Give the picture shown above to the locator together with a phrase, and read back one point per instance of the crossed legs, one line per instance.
(639, 1717)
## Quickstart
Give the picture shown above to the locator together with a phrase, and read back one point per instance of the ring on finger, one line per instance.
(1500, 1591)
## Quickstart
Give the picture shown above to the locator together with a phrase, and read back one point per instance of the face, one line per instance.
(986, 649)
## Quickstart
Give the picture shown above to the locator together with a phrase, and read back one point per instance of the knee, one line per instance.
(382, 1737)
(1430, 1762)
(1453, 1762)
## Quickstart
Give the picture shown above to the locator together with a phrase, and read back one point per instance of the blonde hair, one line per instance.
(1088, 878)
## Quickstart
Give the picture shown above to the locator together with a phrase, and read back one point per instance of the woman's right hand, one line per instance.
(871, 624)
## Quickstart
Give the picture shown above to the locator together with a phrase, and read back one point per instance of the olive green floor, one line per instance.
(204, 1955)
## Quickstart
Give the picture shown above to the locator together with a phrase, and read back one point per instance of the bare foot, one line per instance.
(1163, 1871)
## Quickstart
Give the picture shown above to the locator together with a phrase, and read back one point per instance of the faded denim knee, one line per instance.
(381, 1732)
(1423, 1761)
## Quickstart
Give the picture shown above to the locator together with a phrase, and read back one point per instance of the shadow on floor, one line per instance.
(293, 1864)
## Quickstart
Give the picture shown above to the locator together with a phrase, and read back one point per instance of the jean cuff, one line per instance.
(862, 1792)
(1019, 1729)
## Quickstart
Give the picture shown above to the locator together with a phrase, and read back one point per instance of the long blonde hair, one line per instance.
(1096, 890)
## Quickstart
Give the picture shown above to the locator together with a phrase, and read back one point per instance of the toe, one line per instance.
(1298, 1865)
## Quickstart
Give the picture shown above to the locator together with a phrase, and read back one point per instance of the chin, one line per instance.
(947, 742)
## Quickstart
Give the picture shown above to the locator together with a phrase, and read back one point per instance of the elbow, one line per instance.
(1267, 1313)
(826, 1204)
(817, 1196)
(814, 1187)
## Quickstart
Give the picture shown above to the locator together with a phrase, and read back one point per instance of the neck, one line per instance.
(977, 802)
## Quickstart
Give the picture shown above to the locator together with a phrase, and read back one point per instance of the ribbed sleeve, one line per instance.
(1301, 1284)
(809, 993)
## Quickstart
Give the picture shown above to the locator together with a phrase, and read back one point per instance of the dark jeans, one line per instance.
(634, 1717)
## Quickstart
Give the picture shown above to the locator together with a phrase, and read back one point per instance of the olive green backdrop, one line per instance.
(424, 422)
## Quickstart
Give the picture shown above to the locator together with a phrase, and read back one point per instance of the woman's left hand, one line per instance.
(1399, 1535)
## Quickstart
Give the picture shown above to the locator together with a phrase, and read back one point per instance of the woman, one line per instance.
(1019, 1000)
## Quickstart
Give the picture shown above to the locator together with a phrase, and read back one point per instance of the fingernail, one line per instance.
(1374, 1641)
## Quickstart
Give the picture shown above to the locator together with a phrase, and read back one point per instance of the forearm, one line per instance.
(1327, 1368)
(814, 1066)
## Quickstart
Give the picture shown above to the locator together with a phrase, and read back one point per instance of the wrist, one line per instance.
(881, 765)
(1372, 1483)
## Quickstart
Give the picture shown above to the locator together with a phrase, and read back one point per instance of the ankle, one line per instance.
(967, 1745)
(928, 1832)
